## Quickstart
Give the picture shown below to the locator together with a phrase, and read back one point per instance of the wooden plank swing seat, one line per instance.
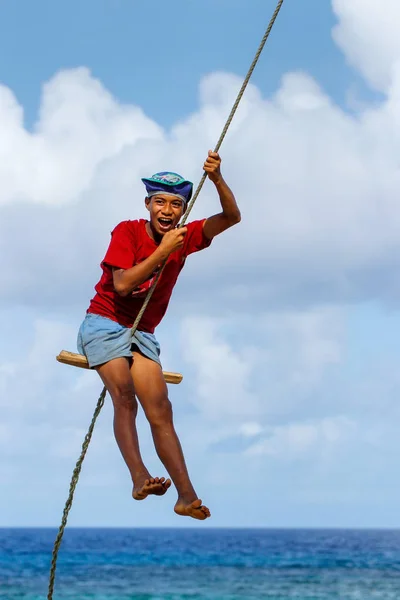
(78, 360)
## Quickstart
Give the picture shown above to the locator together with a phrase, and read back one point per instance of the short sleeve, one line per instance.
(195, 238)
(121, 251)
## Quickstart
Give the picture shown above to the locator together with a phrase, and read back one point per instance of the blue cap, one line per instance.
(169, 183)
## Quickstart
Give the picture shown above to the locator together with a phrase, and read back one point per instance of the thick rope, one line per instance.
(237, 102)
(100, 402)
(73, 484)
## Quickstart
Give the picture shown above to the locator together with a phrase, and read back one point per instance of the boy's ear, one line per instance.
(147, 201)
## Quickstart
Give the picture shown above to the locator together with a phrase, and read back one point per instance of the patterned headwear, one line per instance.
(169, 183)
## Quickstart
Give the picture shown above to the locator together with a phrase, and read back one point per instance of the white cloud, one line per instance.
(317, 188)
(250, 429)
(268, 367)
(295, 441)
(290, 424)
(222, 372)
(367, 33)
(80, 126)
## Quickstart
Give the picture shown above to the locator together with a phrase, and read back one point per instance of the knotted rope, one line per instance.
(100, 402)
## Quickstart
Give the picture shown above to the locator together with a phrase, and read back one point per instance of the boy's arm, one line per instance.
(230, 214)
(126, 280)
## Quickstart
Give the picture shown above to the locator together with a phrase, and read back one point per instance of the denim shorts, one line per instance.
(101, 340)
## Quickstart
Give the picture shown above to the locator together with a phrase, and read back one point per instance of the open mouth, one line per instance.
(165, 223)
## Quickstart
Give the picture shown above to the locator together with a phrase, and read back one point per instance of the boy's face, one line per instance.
(165, 212)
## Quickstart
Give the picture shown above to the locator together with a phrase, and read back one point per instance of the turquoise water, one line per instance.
(167, 564)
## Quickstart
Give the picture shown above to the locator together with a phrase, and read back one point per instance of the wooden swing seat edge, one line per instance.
(78, 360)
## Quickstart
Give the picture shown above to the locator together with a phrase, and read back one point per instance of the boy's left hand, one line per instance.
(212, 166)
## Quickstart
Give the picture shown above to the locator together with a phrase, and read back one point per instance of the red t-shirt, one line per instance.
(130, 245)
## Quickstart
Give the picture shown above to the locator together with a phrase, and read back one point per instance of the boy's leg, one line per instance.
(151, 390)
(117, 378)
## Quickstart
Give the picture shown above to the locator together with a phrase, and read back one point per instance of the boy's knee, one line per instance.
(123, 395)
(160, 412)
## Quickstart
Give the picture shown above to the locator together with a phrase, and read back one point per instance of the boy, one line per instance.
(130, 366)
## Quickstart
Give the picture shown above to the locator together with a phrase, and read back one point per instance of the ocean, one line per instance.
(209, 564)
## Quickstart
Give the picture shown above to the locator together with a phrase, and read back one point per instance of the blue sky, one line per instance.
(137, 52)
(285, 330)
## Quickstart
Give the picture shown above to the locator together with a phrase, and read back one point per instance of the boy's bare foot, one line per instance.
(155, 486)
(193, 509)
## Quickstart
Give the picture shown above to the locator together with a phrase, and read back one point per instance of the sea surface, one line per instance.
(212, 564)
